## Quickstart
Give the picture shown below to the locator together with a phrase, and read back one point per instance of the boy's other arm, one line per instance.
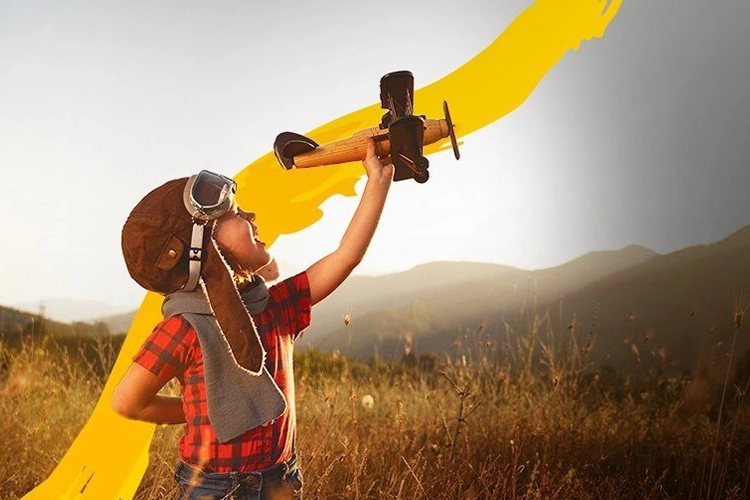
(137, 397)
(329, 272)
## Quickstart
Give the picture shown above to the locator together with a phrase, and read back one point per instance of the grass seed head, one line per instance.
(368, 402)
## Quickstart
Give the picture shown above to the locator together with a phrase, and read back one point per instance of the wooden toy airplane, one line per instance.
(401, 134)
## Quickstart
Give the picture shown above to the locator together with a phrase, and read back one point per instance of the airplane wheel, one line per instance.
(422, 163)
(422, 177)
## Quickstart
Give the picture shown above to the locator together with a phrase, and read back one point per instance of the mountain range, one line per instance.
(633, 303)
(629, 304)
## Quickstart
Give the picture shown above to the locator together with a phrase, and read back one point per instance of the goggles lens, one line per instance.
(209, 195)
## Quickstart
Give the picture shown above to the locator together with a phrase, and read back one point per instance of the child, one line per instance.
(228, 341)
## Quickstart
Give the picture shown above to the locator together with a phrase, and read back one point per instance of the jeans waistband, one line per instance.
(187, 472)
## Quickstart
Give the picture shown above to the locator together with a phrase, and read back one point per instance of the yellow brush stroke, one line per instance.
(108, 458)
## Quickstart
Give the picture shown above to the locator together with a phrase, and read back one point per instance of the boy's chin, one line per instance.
(262, 265)
(270, 270)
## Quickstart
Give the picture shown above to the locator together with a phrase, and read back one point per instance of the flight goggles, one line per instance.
(207, 197)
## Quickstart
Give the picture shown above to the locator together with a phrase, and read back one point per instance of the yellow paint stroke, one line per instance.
(110, 455)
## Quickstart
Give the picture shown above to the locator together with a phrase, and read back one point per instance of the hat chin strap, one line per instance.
(195, 255)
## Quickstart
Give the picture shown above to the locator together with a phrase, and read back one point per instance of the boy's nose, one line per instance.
(250, 216)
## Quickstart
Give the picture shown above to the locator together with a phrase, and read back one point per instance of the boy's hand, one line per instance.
(378, 169)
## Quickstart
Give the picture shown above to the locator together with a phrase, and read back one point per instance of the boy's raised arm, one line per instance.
(329, 272)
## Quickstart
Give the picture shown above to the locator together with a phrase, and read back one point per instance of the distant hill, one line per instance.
(360, 295)
(677, 298)
(682, 302)
(15, 325)
(118, 323)
(69, 310)
(439, 294)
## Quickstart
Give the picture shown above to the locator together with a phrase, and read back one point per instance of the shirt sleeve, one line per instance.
(293, 303)
(165, 352)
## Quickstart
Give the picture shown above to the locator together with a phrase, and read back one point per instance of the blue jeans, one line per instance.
(283, 482)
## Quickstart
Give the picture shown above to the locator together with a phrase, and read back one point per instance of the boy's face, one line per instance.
(236, 234)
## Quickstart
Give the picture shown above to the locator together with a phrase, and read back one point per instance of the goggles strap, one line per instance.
(195, 254)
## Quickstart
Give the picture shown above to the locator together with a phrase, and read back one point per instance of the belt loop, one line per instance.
(235, 481)
(235, 486)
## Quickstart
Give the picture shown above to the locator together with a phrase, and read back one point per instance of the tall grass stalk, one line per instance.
(740, 304)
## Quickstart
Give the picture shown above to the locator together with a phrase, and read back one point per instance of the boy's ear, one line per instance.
(235, 323)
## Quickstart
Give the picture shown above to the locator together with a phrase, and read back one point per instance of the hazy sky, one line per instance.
(638, 137)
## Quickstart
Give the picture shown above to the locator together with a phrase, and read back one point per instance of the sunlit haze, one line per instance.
(624, 142)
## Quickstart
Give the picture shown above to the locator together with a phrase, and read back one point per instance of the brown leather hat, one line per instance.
(155, 243)
(155, 238)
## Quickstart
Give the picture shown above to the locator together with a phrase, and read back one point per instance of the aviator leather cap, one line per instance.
(155, 245)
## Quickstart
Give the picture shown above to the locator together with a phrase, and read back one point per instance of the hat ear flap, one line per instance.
(235, 323)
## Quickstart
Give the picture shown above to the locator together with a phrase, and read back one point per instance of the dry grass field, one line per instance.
(503, 415)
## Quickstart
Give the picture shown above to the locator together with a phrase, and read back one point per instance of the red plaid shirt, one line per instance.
(173, 350)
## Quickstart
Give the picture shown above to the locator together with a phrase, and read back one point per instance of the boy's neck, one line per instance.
(248, 283)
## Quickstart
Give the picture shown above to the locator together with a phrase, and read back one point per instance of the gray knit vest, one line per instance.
(237, 401)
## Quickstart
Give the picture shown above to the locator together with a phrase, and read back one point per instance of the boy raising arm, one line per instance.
(329, 272)
(137, 397)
